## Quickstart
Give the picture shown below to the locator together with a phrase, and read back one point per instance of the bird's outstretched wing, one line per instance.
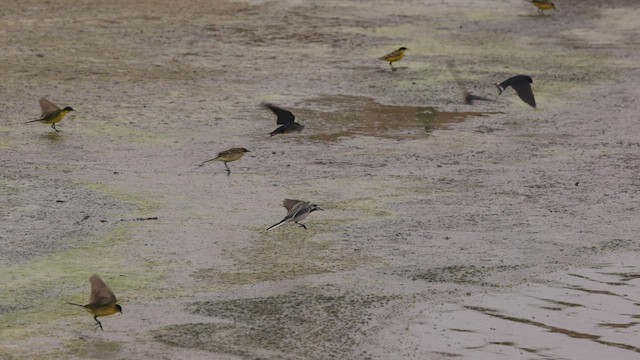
(297, 210)
(284, 116)
(394, 53)
(523, 88)
(290, 203)
(100, 293)
(47, 107)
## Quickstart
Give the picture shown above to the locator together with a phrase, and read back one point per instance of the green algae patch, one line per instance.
(286, 255)
(40, 289)
(291, 252)
(91, 349)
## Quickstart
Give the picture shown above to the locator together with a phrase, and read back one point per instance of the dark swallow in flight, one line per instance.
(522, 85)
(286, 119)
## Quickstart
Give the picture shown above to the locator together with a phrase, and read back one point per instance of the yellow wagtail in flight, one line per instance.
(543, 5)
(394, 56)
(102, 302)
(51, 113)
(228, 156)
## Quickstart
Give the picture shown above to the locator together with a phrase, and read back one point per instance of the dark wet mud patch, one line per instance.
(560, 305)
(608, 245)
(459, 274)
(347, 116)
(314, 324)
(625, 277)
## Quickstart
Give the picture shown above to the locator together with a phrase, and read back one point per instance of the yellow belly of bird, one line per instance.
(54, 119)
(103, 310)
(543, 5)
(394, 58)
(229, 157)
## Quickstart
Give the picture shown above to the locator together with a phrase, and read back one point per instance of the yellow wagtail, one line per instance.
(394, 56)
(51, 113)
(543, 5)
(228, 156)
(102, 302)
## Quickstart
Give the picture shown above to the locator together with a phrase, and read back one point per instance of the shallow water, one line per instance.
(364, 116)
(587, 313)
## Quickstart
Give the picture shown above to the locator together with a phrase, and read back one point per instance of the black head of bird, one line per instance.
(522, 85)
(68, 108)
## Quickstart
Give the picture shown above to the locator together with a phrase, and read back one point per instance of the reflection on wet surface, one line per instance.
(585, 314)
(52, 136)
(364, 116)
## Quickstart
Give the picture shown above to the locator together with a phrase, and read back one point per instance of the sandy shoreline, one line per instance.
(510, 234)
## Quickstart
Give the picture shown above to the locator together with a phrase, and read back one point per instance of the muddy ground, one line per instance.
(493, 231)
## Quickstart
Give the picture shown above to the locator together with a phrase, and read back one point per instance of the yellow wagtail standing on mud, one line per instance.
(394, 56)
(228, 156)
(543, 5)
(51, 114)
(102, 302)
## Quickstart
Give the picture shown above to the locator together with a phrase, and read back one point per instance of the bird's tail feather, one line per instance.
(204, 162)
(70, 303)
(277, 225)
(26, 122)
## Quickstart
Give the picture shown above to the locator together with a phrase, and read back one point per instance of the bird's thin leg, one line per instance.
(228, 170)
(53, 126)
(301, 225)
(98, 323)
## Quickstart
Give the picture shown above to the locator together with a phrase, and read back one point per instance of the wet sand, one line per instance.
(493, 231)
